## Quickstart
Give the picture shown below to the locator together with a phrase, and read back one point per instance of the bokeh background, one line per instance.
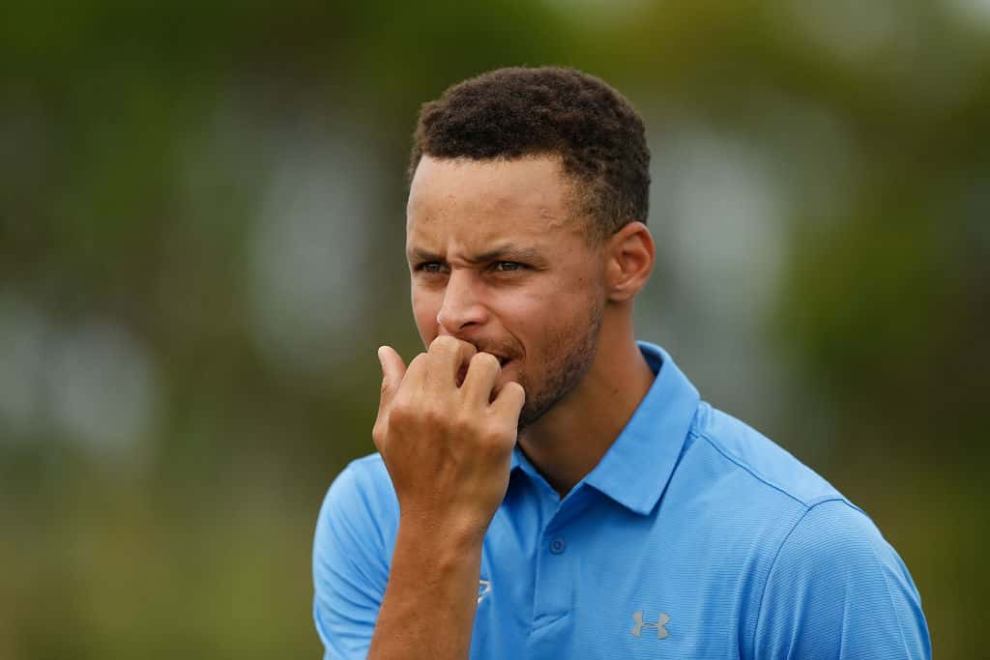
(201, 246)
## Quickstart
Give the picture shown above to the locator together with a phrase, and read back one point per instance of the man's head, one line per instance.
(524, 225)
(514, 112)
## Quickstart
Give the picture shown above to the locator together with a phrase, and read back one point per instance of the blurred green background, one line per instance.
(201, 247)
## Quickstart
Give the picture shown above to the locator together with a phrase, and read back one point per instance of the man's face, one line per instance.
(498, 258)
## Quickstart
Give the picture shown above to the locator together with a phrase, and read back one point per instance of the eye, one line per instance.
(429, 267)
(507, 266)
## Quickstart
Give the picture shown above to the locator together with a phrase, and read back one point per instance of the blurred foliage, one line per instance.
(138, 145)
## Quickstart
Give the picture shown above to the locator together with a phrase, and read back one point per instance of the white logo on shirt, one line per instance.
(659, 626)
(484, 587)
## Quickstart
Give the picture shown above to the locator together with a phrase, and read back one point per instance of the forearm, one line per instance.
(447, 447)
(429, 604)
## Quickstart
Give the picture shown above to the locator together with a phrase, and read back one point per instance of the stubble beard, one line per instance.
(564, 369)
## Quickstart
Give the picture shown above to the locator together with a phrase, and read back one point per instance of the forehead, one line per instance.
(473, 203)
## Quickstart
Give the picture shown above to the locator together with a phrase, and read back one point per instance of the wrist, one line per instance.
(459, 531)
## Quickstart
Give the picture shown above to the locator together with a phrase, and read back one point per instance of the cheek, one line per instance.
(560, 323)
(425, 309)
(532, 321)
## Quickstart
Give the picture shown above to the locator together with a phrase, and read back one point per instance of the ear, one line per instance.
(629, 254)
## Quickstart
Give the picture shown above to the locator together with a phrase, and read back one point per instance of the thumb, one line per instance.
(393, 370)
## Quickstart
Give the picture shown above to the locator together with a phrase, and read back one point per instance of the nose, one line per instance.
(461, 308)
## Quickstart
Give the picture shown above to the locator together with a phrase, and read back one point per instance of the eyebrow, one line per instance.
(501, 252)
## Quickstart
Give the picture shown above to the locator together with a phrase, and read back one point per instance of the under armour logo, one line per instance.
(660, 625)
(484, 586)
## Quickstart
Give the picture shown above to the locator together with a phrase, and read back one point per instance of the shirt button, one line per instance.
(557, 546)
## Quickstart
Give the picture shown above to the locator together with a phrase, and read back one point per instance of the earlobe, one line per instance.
(631, 255)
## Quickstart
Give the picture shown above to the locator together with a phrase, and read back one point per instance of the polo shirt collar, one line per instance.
(636, 468)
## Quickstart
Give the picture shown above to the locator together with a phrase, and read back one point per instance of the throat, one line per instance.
(572, 438)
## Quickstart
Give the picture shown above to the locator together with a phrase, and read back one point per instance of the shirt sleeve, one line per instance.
(351, 556)
(837, 589)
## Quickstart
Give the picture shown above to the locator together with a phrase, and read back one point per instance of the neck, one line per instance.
(568, 441)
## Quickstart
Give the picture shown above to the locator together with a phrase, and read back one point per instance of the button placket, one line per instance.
(554, 584)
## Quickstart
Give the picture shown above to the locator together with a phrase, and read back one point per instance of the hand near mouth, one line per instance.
(446, 433)
(447, 446)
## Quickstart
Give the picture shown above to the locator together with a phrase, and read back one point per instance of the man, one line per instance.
(547, 487)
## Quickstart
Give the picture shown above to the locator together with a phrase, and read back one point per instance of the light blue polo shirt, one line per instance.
(694, 537)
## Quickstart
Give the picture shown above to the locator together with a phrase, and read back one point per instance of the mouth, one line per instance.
(462, 372)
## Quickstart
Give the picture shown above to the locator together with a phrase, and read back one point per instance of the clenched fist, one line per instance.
(447, 445)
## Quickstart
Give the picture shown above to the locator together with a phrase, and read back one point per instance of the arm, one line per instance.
(355, 534)
(838, 590)
(429, 605)
(447, 447)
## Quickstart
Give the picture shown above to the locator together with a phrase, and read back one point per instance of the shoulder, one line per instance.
(363, 479)
(351, 553)
(734, 483)
(829, 585)
(359, 505)
(762, 466)
(837, 542)
(815, 528)
(837, 588)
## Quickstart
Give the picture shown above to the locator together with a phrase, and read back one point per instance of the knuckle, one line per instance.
(378, 435)
(490, 435)
(400, 413)
(463, 424)
(495, 441)
(433, 418)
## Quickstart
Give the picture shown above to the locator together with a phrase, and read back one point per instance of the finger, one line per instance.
(449, 355)
(393, 370)
(509, 401)
(482, 372)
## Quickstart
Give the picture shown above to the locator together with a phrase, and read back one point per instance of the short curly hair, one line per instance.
(519, 111)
